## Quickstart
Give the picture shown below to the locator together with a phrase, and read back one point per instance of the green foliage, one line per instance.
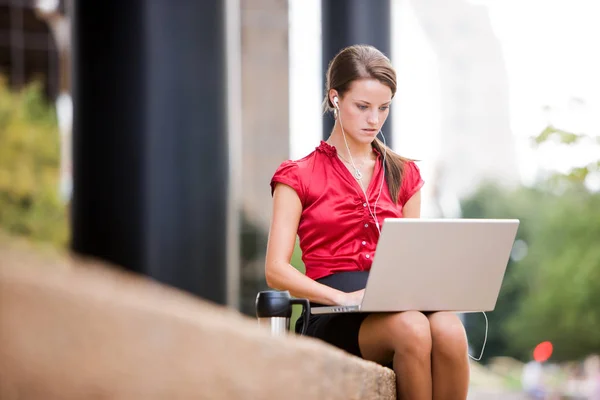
(562, 279)
(551, 293)
(296, 260)
(29, 167)
(493, 202)
(297, 263)
(563, 136)
(576, 174)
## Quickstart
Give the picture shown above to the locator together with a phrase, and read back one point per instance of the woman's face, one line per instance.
(364, 108)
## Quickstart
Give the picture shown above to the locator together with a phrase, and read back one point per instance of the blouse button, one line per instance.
(366, 225)
(364, 204)
(368, 256)
(364, 243)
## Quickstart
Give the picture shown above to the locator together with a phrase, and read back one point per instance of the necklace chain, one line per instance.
(358, 175)
(357, 172)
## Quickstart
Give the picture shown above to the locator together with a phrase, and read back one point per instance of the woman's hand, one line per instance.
(352, 298)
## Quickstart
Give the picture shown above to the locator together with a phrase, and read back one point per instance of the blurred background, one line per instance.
(499, 100)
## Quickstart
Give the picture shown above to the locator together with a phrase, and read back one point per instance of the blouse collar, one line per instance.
(331, 151)
(327, 149)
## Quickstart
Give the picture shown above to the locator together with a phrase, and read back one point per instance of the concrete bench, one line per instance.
(75, 329)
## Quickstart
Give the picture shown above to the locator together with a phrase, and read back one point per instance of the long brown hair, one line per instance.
(366, 62)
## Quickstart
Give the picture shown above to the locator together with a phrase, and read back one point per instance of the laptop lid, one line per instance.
(439, 264)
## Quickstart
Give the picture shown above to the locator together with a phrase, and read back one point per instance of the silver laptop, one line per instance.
(436, 265)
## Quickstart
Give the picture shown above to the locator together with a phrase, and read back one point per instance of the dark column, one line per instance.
(348, 22)
(150, 145)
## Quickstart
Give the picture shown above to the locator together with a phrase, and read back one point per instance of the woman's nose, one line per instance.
(373, 118)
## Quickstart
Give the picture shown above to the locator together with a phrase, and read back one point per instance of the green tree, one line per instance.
(560, 278)
(552, 292)
(576, 174)
(29, 167)
(491, 201)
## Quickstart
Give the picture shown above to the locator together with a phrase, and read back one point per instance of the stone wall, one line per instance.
(76, 329)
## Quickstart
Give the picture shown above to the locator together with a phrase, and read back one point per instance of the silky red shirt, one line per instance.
(337, 232)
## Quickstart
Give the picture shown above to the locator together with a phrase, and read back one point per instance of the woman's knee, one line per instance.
(411, 333)
(448, 335)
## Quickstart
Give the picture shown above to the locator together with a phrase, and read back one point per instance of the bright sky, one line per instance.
(550, 50)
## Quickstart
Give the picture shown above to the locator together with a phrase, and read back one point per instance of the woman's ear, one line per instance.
(333, 94)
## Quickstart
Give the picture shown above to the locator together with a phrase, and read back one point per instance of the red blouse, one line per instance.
(336, 230)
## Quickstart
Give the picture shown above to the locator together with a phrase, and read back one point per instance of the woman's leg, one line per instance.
(449, 355)
(406, 339)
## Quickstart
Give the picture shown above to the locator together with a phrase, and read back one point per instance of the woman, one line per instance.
(335, 199)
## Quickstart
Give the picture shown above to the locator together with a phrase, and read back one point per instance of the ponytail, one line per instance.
(394, 168)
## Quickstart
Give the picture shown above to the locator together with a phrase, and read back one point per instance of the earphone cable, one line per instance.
(484, 340)
(372, 213)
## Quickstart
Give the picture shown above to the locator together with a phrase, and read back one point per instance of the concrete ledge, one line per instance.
(74, 329)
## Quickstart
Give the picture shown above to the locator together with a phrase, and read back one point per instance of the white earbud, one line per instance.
(335, 102)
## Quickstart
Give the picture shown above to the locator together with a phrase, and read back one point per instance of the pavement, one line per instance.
(494, 394)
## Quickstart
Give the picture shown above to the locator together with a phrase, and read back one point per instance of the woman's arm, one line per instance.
(280, 274)
(412, 208)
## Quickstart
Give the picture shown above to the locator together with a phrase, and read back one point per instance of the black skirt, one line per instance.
(340, 330)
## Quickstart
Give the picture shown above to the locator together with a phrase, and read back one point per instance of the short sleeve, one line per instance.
(288, 173)
(412, 182)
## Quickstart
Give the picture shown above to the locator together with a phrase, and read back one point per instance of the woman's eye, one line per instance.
(384, 108)
(361, 107)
